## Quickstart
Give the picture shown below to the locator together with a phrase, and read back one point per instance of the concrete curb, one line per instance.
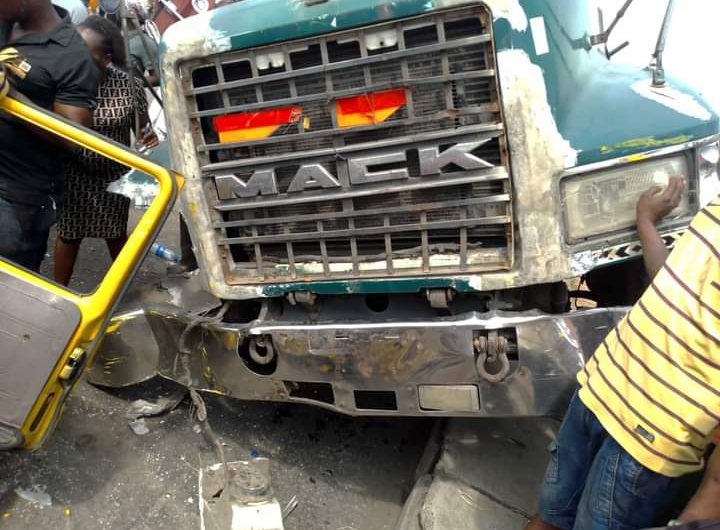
(479, 474)
(410, 516)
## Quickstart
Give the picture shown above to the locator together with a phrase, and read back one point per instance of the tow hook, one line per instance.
(491, 350)
(261, 350)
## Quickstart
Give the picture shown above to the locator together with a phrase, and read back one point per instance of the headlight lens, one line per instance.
(708, 160)
(605, 202)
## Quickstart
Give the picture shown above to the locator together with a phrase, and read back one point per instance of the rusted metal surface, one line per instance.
(425, 191)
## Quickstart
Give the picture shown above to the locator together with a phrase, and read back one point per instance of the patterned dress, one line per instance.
(89, 210)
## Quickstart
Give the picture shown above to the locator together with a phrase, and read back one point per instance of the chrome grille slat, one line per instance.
(486, 176)
(365, 213)
(426, 220)
(423, 226)
(329, 68)
(489, 108)
(487, 131)
(345, 92)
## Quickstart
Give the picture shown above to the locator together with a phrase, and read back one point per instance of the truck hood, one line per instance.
(592, 100)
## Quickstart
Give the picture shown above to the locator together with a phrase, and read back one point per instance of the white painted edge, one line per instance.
(672, 98)
(539, 35)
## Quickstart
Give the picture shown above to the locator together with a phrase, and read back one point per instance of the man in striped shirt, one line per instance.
(649, 398)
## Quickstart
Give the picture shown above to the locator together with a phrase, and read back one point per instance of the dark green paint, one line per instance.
(400, 285)
(591, 98)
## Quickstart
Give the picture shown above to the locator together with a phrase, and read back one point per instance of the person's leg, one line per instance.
(66, 252)
(11, 234)
(621, 493)
(35, 239)
(571, 458)
(538, 524)
(115, 246)
(38, 248)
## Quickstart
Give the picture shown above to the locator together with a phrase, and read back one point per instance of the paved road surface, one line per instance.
(348, 473)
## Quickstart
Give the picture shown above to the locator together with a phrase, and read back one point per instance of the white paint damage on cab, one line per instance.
(673, 99)
(511, 10)
(583, 262)
(197, 33)
(538, 154)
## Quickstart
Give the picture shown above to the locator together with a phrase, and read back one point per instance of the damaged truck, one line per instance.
(386, 199)
(386, 203)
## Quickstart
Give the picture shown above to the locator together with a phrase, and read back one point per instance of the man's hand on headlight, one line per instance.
(656, 202)
(652, 206)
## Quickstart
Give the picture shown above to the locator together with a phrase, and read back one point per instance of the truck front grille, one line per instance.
(393, 217)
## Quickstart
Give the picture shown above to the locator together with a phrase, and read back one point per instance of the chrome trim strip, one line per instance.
(491, 199)
(343, 65)
(490, 131)
(394, 229)
(497, 173)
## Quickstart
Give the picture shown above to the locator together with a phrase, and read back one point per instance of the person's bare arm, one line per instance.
(705, 504)
(653, 205)
(78, 115)
(152, 78)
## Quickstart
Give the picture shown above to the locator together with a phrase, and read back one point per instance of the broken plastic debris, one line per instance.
(141, 408)
(35, 496)
(141, 193)
(289, 508)
(582, 262)
(139, 427)
(245, 501)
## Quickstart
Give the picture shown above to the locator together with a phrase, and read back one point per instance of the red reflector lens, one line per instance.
(367, 103)
(368, 109)
(262, 118)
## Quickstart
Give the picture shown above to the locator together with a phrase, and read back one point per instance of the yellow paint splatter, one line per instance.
(645, 142)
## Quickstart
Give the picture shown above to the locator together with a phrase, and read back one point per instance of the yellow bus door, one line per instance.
(48, 334)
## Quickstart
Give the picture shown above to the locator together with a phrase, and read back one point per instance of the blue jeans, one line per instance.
(594, 484)
(24, 232)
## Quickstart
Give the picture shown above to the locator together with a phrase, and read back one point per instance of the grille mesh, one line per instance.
(456, 221)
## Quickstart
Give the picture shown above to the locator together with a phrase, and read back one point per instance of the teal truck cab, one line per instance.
(388, 199)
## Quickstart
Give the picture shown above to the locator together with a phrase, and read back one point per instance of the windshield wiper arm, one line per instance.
(659, 71)
(604, 35)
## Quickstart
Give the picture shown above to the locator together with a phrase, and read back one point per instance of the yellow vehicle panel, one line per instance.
(49, 334)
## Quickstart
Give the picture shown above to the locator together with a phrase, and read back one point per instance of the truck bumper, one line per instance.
(408, 367)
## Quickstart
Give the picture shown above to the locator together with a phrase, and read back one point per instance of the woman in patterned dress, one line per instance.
(90, 210)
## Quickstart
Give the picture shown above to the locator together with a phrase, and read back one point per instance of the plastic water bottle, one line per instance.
(165, 253)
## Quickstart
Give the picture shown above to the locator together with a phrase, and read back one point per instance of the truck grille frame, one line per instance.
(458, 221)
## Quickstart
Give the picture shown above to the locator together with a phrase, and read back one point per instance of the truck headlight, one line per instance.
(708, 160)
(604, 202)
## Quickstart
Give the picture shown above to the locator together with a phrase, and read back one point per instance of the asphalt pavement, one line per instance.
(347, 473)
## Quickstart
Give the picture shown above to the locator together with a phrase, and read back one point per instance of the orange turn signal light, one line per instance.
(254, 125)
(369, 109)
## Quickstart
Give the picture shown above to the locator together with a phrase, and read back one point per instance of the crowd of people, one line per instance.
(73, 63)
(648, 405)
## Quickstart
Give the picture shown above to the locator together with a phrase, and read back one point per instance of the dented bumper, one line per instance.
(362, 366)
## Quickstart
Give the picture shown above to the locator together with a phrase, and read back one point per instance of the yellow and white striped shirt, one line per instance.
(654, 382)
